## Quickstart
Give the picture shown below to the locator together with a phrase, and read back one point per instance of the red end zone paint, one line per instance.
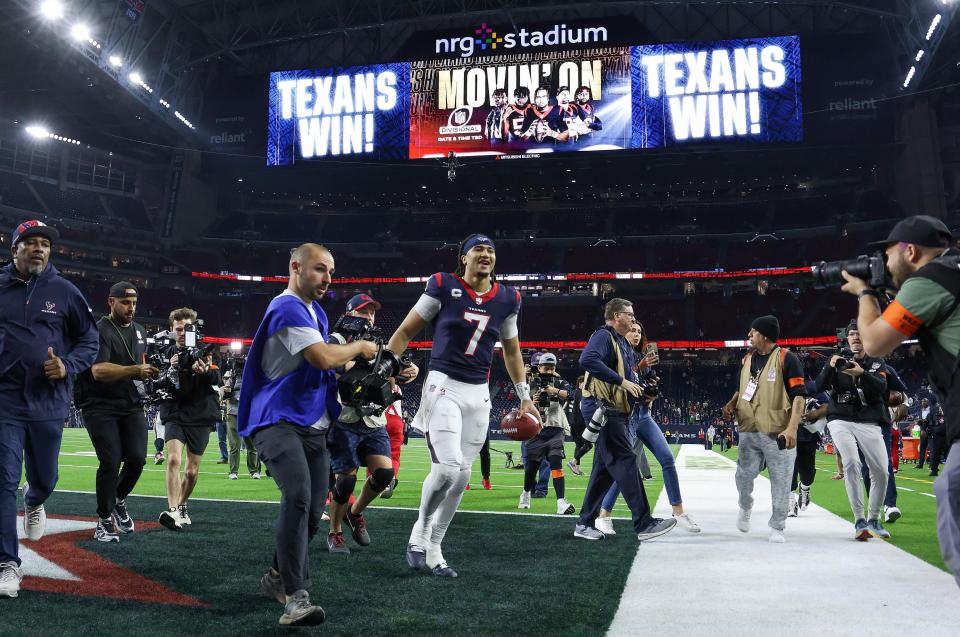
(99, 577)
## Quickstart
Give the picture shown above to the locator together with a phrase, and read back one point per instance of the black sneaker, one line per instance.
(539, 494)
(122, 517)
(656, 528)
(358, 527)
(106, 531)
(272, 587)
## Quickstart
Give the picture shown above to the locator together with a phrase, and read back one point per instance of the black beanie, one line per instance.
(768, 325)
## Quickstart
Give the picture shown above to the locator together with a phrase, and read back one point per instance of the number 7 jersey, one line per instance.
(467, 325)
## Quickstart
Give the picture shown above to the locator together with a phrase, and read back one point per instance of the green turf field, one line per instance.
(915, 532)
(520, 574)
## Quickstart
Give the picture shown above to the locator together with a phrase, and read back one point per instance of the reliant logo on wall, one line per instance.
(486, 40)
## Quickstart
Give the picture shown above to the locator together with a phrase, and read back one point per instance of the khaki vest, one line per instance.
(769, 411)
(608, 392)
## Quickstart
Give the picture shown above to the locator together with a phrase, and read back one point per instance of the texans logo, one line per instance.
(50, 305)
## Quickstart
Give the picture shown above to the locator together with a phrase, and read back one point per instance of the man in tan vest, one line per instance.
(768, 406)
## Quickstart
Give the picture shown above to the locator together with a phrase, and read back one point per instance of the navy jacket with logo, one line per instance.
(46, 311)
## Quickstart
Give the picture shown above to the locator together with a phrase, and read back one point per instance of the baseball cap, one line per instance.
(34, 228)
(122, 289)
(547, 359)
(921, 230)
(361, 300)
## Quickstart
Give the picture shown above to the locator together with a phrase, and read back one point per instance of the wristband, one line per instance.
(523, 391)
(868, 292)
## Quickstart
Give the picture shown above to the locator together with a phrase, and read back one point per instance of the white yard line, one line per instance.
(821, 582)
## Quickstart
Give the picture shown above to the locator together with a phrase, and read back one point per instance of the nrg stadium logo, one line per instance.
(486, 39)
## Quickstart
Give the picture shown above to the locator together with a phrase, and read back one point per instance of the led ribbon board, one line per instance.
(746, 90)
(351, 112)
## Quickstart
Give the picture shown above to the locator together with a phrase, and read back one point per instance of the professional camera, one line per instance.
(872, 269)
(160, 349)
(650, 386)
(366, 385)
(538, 383)
(593, 426)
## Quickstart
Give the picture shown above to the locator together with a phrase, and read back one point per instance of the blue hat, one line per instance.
(361, 300)
(33, 228)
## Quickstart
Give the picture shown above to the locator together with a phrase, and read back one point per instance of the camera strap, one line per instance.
(123, 340)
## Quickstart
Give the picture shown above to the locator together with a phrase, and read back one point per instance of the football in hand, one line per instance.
(519, 425)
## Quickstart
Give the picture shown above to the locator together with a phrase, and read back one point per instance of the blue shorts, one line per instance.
(351, 443)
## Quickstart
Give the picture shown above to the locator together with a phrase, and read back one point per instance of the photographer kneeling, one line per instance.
(550, 393)
(857, 411)
(189, 416)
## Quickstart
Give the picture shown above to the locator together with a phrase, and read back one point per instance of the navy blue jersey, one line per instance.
(467, 326)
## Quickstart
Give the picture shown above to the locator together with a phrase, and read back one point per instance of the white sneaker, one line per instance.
(564, 507)
(10, 578)
(893, 514)
(524, 500)
(743, 521)
(604, 525)
(794, 506)
(684, 520)
(255, 475)
(231, 476)
(325, 517)
(34, 518)
(776, 537)
(184, 518)
(171, 519)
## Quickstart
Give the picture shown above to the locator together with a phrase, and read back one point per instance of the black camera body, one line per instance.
(650, 386)
(160, 349)
(540, 382)
(366, 386)
(872, 269)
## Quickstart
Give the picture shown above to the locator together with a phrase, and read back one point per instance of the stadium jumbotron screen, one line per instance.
(609, 98)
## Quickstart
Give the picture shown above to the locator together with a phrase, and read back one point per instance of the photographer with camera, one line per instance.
(768, 407)
(927, 271)
(550, 394)
(189, 413)
(644, 431)
(857, 386)
(358, 437)
(111, 396)
(287, 402)
(609, 395)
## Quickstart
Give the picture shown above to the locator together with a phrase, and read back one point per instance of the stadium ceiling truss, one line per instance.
(177, 45)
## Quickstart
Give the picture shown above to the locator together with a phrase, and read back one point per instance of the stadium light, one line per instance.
(919, 55)
(236, 346)
(37, 132)
(933, 25)
(80, 32)
(51, 9)
(135, 78)
(116, 61)
(910, 74)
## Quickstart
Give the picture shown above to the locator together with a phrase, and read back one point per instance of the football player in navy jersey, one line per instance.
(514, 115)
(470, 312)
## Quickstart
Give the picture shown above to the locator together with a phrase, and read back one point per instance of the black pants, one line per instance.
(924, 443)
(119, 439)
(938, 451)
(615, 461)
(805, 466)
(485, 458)
(299, 463)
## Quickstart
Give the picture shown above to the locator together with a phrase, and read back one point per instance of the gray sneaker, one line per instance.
(575, 467)
(336, 543)
(876, 530)
(10, 578)
(271, 586)
(861, 531)
(300, 612)
(587, 532)
(656, 528)
(358, 527)
(34, 518)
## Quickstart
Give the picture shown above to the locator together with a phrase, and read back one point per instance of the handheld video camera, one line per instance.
(366, 385)
(161, 347)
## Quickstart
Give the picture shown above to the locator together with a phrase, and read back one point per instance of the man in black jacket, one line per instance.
(188, 419)
(110, 395)
(857, 386)
(938, 439)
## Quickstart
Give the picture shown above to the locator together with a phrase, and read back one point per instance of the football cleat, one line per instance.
(358, 527)
(486, 484)
(442, 570)
(564, 507)
(417, 557)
